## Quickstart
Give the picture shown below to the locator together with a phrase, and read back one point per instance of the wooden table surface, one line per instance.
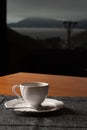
(59, 85)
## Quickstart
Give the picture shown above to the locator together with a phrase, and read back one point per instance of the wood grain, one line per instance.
(58, 85)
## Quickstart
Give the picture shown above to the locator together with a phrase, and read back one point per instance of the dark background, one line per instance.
(18, 58)
(3, 41)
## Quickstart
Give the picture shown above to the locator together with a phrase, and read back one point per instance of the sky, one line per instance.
(56, 9)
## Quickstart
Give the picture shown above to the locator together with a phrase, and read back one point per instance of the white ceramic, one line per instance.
(33, 93)
(47, 105)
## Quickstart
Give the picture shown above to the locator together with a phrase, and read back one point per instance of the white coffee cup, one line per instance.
(33, 93)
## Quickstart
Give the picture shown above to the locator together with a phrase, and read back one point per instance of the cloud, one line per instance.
(65, 9)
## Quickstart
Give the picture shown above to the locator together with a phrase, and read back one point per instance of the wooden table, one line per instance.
(59, 85)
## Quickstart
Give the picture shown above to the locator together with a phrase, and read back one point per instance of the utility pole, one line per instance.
(69, 25)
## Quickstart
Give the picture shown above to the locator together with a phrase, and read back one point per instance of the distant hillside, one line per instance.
(45, 22)
(16, 39)
(80, 40)
(23, 57)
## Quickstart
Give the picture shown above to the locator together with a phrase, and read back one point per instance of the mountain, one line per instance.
(45, 22)
(82, 24)
(37, 22)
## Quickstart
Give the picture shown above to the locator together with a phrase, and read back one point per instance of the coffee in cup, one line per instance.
(33, 93)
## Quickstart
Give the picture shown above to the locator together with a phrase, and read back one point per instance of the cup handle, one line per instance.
(14, 91)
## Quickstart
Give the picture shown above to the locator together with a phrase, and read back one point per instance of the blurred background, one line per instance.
(47, 36)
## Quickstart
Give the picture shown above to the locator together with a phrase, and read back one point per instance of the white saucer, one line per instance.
(20, 106)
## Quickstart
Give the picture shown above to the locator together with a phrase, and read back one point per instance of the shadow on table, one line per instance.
(63, 111)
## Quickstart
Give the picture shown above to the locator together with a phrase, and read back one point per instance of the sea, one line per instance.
(43, 33)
